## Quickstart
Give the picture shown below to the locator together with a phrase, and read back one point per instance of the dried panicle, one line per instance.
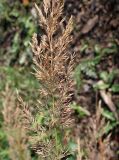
(46, 4)
(54, 64)
(67, 118)
(95, 142)
(65, 39)
(16, 134)
(27, 118)
(54, 67)
(42, 18)
(43, 149)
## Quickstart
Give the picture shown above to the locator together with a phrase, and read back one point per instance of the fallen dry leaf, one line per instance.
(90, 24)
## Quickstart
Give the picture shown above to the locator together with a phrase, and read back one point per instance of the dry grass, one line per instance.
(16, 135)
(54, 67)
(94, 144)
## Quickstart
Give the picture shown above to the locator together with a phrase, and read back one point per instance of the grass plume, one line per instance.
(54, 67)
(16, 134)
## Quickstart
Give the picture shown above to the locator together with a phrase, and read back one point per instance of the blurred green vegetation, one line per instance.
(17, 25)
